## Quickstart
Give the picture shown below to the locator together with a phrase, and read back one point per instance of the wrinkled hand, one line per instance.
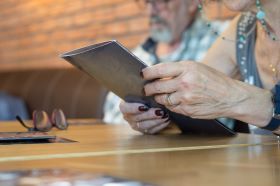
(193, 89)
(144, 119)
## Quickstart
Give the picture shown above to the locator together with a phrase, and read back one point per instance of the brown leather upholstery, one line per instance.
(69, 89)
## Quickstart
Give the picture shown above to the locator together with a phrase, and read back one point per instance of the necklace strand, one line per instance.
(261, 18)
(260, 15)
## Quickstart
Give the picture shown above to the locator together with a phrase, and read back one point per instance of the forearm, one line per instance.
(255, 105)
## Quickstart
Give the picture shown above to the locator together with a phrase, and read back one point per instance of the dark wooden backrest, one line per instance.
(79, 95)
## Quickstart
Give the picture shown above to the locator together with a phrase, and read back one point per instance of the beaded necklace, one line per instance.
(249, 19)
(260, 15)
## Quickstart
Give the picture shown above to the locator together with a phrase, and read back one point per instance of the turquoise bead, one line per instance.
(242, 39)
(260, 15)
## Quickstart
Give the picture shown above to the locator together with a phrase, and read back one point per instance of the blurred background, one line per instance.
(34, 32)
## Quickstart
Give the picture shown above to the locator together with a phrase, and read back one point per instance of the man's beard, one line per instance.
(163, 34)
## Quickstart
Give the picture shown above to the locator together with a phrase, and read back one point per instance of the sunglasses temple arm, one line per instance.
(22, 123)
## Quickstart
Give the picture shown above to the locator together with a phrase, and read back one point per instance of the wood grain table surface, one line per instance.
(167, 159)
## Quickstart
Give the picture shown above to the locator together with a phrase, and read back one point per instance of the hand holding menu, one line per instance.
(115, 67)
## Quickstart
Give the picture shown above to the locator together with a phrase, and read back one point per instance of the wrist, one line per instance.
(255, 107)
(268, 111)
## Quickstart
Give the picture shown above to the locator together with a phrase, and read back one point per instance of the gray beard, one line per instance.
(162, 35)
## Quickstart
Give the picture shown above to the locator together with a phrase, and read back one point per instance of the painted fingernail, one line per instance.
(143, 108)
(141, 74)
(159, 113)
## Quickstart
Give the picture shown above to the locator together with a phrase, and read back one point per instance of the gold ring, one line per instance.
(145, 131)
(168, 100)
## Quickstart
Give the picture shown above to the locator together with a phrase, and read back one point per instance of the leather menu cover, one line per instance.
(115, 67)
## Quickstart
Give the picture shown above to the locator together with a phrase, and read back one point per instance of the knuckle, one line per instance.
(184, 82)
(189, 80)
(186, 98)
(160, 70)
(157, 86)
(160, 99)
(192, 77)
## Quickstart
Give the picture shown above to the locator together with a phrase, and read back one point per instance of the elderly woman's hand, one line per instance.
(193, 89)
(144, 119)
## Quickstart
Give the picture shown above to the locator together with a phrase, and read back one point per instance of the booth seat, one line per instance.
(75, 92)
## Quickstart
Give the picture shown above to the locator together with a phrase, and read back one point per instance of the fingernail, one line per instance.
(143, 92)
(143, 108)
(141, 74)
(159, 113)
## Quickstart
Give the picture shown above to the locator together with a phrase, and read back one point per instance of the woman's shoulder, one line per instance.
(222, 54)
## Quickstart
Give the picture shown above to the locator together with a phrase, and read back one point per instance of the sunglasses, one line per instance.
(42, 122)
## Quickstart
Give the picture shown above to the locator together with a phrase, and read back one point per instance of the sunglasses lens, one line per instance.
(41, 121)
(59, 120)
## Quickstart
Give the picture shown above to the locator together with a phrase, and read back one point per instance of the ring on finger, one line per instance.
(145, 131)
(168, 100)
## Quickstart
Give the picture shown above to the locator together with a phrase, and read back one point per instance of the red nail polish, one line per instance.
(143, 108)
(159, 113)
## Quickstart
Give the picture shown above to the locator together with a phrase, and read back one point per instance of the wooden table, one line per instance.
(169, 159)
